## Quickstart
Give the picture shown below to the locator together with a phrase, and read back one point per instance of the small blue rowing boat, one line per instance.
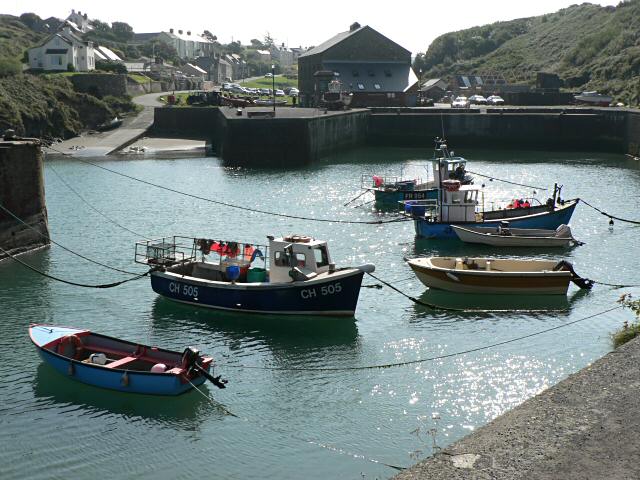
(292, 275)
(115, 364)
(458, 205)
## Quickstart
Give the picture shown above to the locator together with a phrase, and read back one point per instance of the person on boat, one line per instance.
(526, 204)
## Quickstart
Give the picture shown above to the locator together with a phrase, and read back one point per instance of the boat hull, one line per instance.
(547, 220)
(495, 240)
(336, 295)
(392, 197)
(492, 282)
(136, 382)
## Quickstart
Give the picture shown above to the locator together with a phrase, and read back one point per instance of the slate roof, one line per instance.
(390, 76)
(331, 42)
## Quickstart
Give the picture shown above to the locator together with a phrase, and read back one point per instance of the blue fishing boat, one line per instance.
(389, 190)
(115, 364)
(292, 275)
(458, 205)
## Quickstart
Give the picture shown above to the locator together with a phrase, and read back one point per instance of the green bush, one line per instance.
(9, 67)
(628, 331)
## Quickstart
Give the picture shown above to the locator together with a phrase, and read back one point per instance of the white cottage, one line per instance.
(61, 50)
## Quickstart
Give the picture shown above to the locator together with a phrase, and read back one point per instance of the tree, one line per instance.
(209, 36)
(33, 21)
(256, 44)
(101, 26)
(122, 31)
(268, 41)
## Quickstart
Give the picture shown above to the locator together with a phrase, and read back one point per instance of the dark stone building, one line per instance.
(375, 69)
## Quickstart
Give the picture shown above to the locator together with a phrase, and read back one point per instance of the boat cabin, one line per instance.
(446, 166)
(297, 257)
(458, 203)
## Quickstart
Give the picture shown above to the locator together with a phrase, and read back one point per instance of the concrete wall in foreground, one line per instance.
(633, 134)
(22, 193)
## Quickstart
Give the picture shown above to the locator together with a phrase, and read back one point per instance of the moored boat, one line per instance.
(389, 190)
(116, 364)
(496, 276)
(292, 275)
(594, 98)
(505, 236)
(458, 205)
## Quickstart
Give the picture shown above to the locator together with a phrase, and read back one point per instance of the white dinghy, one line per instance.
(504, 236)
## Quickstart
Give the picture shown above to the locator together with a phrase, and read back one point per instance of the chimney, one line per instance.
(85, 16)
(79, 12)
(180, 32)
(354, 26)
(188, 32)
(171, 30)
(73, 11)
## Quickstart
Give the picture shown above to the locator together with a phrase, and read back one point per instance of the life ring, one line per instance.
(297, 238)
(75, 343)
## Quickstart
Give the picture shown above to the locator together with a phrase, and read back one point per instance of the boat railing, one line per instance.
(378, 181)
(165, 251)
(232, 251)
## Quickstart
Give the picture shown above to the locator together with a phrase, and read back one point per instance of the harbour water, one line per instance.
(293, 422)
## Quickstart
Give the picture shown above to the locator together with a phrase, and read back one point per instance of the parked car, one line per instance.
(460, 102)
(279, 93)
(495, 100)
(294, 92)
(265, 91)
(268, 75)
(477, 100)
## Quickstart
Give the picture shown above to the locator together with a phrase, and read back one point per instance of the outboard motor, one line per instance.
(190, 358)
(583, 283)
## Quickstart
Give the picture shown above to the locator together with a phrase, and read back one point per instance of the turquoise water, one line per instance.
(293, 423)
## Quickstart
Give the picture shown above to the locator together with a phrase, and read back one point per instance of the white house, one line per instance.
(80, 20)
(187, 44)
(61, 50)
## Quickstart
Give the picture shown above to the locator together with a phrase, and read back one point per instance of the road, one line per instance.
(98, 144)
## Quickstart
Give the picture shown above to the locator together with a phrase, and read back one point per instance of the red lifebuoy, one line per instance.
(74, 342)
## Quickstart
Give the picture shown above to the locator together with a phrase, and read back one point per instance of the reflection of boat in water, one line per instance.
(182, 412)
(388, 191)
(476, 302)
(283, 333)
(497, 276)
(298, 278)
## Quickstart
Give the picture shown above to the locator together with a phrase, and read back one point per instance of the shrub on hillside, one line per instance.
(9, 67)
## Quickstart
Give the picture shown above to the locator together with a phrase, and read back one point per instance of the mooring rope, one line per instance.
(239, 207)
(50, 167)
(611, 217)
(62, 246)
(491, 178)
(428, 359)
(68, 282)
(340, 451)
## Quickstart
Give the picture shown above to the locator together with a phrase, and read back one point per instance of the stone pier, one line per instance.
(585, 427)
(22, 193)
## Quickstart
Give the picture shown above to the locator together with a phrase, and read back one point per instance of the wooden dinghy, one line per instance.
(497, 276)
(504, 236)
(116, 364)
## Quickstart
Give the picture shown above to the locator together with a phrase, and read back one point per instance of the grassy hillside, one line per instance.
(16, 37)
(590, 47)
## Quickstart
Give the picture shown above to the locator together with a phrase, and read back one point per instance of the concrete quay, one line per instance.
(585, 427)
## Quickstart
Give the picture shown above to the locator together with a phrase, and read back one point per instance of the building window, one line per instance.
(58, 60)
(355, 73)
(361, 86)
(377, 86)
(371, 73)
(387, 72)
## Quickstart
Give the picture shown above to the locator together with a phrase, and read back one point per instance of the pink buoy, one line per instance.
(159, 368)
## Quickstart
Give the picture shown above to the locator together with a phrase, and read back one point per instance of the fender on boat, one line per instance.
(366, 268)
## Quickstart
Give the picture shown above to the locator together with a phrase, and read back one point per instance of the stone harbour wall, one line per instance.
(22, 193)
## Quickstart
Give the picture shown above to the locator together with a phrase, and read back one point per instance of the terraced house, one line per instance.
(63, 50)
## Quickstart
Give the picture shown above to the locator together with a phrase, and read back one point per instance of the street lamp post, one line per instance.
(273, 80)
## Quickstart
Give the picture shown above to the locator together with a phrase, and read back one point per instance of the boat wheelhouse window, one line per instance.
(301, 260)
(320, 254)
(281, 259)
(470, 197)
